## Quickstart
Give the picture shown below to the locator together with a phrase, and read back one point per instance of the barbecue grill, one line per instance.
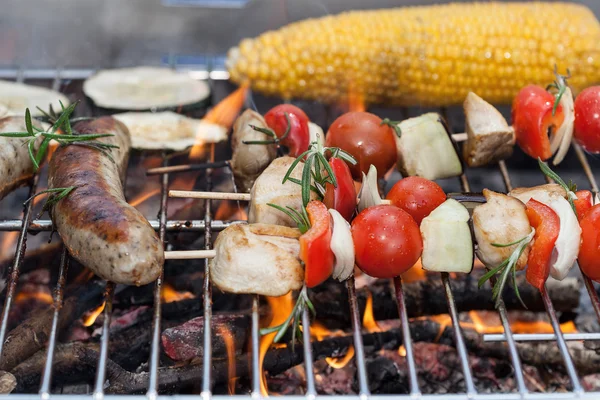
(216, 77)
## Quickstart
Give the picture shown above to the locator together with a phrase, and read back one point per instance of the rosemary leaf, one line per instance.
(486, 277)
(554, 176)
(288, 128)
(31, 148)
(39, 157)
(28, 123)
(15, 134)
(293, 166)
(330, 173)
(516, 288)
(509, 244)
(306, 179)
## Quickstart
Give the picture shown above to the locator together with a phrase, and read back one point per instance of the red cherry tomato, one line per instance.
(547, 225)
(583, 202)
(589, 251)
(587, 119)
(315, 249)
(298, 138)
(417, 196)
(532, 116)
(362, 135)
(343, 197)
(387, 241)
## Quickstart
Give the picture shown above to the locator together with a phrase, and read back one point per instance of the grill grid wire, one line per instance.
(208, 225)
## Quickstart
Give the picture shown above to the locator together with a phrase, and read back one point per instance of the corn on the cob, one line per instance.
(427, 55)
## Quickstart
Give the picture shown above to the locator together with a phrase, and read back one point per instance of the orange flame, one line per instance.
(229, 210)
(281, 307)
(488, 322)
(224, 114)
(168, 294)
(402, 350)
(416, 273)
(8, 242)
(42, 297)
(320, 332)
(230, 348)
(356, 99)
(143, 197)
(369, 322)
(93, 315)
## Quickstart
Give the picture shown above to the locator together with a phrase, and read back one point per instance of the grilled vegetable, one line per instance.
(369, 191)
(315, 133)
(343, 196)
(16, 97)
(587, 119)
(583, 202)
(547, 226)
(387, 241)
(430, 55)
(425, 148)
(447, 242)
(315, 250)
(589, 252)
(257, 259)
(290, 124)
(367, 139)
(341, 238)
(417, 196)
(489, 138)
(501, 220)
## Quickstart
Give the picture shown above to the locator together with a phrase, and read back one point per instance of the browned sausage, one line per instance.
(99, 228)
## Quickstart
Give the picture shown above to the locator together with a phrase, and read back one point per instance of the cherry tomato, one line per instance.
(343, 197)
(583, 202)
(417, 196)
(297, 140)
(362, 135)
(387, 241)
(315, 249)
(589, 251)
(547, 225)
(587, 119)
(532, 116)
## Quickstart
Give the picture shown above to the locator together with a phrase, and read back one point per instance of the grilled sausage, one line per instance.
(99, 228)
(16, 167)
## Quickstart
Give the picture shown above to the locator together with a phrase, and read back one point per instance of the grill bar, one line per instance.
(410, 357)
(103, 356)
(311, 390)
(359, 349)
(45, 225)
(255, 349)
(541, 337)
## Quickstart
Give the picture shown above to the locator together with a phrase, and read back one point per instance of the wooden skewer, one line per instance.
(189, 254)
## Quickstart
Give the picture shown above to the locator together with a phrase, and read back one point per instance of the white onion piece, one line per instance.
(315, 133)
(342, 247)
(566, 247)
(562, 139)
(369, 191)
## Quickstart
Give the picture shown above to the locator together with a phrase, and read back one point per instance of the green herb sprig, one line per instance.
(70, 137)
(56, 194)
(570, 188)
(558, 87)
(507, 268)
(276, 140)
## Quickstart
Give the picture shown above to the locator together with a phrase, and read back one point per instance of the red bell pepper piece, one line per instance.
(583, 202)
(315, 249)
(547, 225)
(343, 197)
(589, 250)
(298, 138)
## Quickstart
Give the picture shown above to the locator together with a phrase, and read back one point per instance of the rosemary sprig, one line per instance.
(506, 268)
(570, 189)
(392, 124)
(276, 140)
(293, 319)
(56, 195)
(558, 87)
(300, 218)
(70, 137)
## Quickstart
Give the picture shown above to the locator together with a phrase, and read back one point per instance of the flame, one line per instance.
(224, 114)
(229, 210)
(91, 318)
(8, 242)
(168, 294)
(416, 273)
(320, 332)
(369, 322)
(143, 197)
(230, 348)
(281, 307)
(42, 297)
(488, 322)
(356, 99)
(402, 350)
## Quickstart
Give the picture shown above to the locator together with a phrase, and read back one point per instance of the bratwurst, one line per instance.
(99, 228)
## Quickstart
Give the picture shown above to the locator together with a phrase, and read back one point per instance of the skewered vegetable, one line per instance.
(447, 242)
(547, 226)
(425, 148)
(417, 196)
(387, 241)
(341, 237)
(589, 252)
(16, 97)
(583, 202)
(315, 250)
(367, 139)
(257, 258)
(489, 138)
(369, 191)
(290, 124)
(430, 55)
(587, 119)
(341, 197)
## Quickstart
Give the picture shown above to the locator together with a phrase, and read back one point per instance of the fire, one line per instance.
(144, 196)
(168, 294)
(356, 99)
(281, 307)
(416, 273)
(8, 242)
(230, 348)
(488, 322)
(42, 297)
(223, 114)
(229, 210)
(319, 331)
(92, 315)
(402, 350)
(369, 322)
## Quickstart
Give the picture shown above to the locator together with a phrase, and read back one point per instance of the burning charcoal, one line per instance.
(7, 382)
(385, 377)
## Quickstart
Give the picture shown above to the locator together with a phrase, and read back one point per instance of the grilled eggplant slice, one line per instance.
(16, 97)
(447, 241)
(425, 148)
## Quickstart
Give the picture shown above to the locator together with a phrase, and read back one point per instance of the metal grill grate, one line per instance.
(208, 226)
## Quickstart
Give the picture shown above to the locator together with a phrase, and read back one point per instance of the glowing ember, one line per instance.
(369, 322)
(168, 294)
(93, 315)
(144, 196)
(230, 348)
(281, 307)
(229, 210)
(320, 332)
(402, 351)
(42, 297)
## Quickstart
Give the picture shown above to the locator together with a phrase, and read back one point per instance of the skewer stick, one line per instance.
(189, 254)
